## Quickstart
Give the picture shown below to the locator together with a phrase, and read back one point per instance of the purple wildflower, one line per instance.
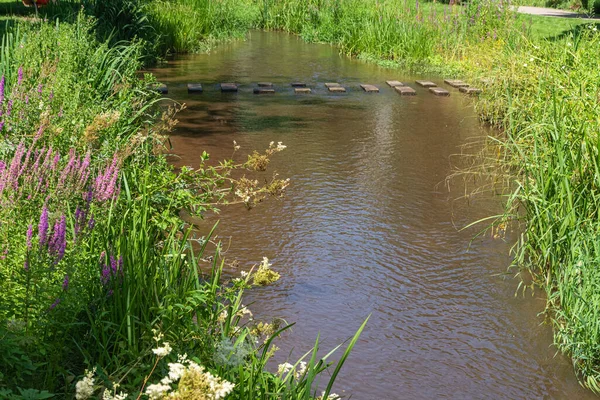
(43, 227)
(2, 82)
(58, 243)
(51, 96)
(65, 284)
(54, 304)
(20, 76)
(91, 222)
(105, 277)
(27, 99)
(39, 89)
(9, 108)
(29, 236)
(1, 125)
(105, 186)
(26, 266)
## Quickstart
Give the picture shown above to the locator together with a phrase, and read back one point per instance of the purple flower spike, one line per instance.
(91, 222)
(53, 306)
(39, 89)
(2, 82)
(43, 227)
(26, 266)
(20, 78)
(29, 236)
(65, 284)
(58, 243)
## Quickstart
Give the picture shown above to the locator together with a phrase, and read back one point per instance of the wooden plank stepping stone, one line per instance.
(394, 83)
(332, 84)
(302, 90)
(298, 84)
(426, 84)
(194, 87)
(265, 84)
(469, 90)
(337, 89)
(369, 88)
(264, 90)
(159, 87)
(229, 87)
(456, 83)
(439, 91)
(405, 90)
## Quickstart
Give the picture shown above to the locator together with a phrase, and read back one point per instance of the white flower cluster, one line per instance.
(218, 388)
(163, 351)
(84, 389)
(287, 367)
(280, 146)
(331, 396)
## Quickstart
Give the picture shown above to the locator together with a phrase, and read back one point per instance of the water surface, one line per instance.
(368, 226)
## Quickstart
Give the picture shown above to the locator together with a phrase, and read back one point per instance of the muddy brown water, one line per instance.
(368, 226)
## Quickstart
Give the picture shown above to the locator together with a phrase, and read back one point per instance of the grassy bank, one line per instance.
(103, 289)
(542, 92)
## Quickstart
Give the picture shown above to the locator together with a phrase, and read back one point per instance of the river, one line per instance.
(368, 226)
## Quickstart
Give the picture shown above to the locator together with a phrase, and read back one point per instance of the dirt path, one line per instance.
(552, 12)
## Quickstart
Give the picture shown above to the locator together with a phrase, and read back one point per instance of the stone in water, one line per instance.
(426, 84)
(263, 90)
(298, 84)
(265, 84)
(456, 83)
(405, 90)
(470, 90)
(439, 91)
(194, 87)
(337, 89)
(394, 83)
(332, 84)
(370, 88)
(229, 87)
(302, 90)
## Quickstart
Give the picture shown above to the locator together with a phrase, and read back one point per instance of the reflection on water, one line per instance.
(367, 228)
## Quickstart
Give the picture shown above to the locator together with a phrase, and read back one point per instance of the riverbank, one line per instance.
(539, 90)
(102, 288)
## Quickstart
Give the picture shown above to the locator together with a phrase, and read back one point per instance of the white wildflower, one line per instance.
(223, 389)
(272, 144)
(244, 311)
(569, 44)
(223, 316)
(284, 368)
(163, 351)
(525, 64)
(108, 395)
(265, 263)
(243, 274)
(531, 59)
(331, 396)
(84, 389)
(301, 370)
(235, 145)
(280, 146)
(157, 391)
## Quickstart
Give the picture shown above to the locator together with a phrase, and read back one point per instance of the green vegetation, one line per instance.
(78, 295)
(103, 289)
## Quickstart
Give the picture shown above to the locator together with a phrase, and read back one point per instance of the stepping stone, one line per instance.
(439, 91)
(298, 84)
(337, 89)
(159, 87)
(265, 84)
(194, 87)
(405, 90)
(332, 84)
(229, 87)
(469, 90)
(370, 88)
(456, 83)
(264, 90)
(302, 90)
(394, 83)
(426, 84)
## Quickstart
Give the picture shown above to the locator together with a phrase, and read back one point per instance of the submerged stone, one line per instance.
(336, 89)
(439, 91)
(159, 87)
(370, 88)
(298, 84)
(302, 90)
(330, 85)
(265, 84)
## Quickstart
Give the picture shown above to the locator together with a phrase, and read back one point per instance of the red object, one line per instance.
(39, 3)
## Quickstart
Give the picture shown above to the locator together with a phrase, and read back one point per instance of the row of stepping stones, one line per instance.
(300, 87)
